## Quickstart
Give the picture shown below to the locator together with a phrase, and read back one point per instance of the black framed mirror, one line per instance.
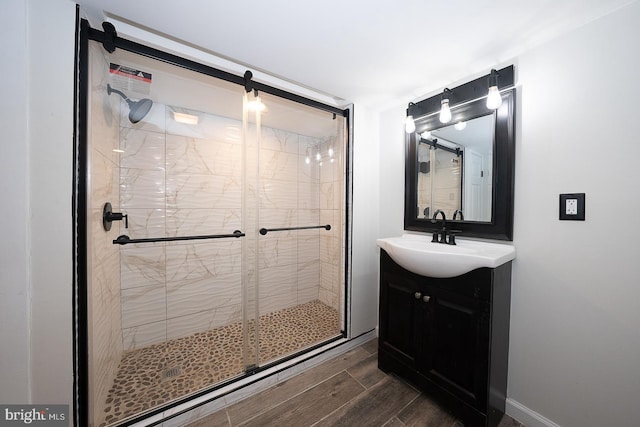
(469, 173)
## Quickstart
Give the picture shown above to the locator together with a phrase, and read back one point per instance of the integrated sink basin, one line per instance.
(419, 255)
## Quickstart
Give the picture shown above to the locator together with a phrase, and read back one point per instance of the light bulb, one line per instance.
(318, 156)
(307, 160)
(330, 152)
(256, 105)
(409, 125)
(494, 100)
(425, 135)
(460, 125)
(445, 111)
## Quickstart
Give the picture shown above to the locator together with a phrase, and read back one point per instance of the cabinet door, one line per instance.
(456, 351)
(397, 317)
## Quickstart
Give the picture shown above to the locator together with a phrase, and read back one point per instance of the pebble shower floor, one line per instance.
(160, 373)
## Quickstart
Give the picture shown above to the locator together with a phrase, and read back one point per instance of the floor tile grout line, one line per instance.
(359, 382)
(407, 405)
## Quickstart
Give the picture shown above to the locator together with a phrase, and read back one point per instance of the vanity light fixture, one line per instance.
(494, 99)
(445, 111)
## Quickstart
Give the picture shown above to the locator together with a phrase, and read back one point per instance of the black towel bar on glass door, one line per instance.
(264, 231)
(125, 240)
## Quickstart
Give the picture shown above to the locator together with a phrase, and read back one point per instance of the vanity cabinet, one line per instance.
(448, 336)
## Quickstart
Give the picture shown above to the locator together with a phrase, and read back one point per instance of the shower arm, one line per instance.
(111, 90)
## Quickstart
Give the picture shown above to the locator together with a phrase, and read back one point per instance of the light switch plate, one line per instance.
(572, 206)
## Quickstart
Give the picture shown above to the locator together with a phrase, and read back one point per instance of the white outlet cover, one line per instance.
(571, 207)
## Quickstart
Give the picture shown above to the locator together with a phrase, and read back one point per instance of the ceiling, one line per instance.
(373, 52)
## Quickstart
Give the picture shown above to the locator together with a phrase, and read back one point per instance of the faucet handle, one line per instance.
(452, 236)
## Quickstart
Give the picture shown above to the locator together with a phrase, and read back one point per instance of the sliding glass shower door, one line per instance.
(298, 219)
(215, 232)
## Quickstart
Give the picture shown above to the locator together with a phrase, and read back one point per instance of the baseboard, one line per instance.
(527, 416)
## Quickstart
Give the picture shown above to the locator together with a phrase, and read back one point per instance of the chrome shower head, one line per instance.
(137, 109)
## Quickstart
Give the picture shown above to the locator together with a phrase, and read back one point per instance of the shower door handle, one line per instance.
(264, 231)
(125, 240)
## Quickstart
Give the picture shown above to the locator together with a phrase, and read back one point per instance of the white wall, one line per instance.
(575, 337)
(37, 149)
(391, 180)
(50, 117)
(364, 271)
(14, 181)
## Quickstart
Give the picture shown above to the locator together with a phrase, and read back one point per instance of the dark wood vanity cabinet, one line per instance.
(448, 336)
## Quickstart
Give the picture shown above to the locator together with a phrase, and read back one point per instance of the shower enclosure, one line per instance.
(213, 215)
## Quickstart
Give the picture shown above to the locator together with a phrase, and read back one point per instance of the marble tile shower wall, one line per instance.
(331, 212)
(103, 290)
(181, 180)
(446, 192)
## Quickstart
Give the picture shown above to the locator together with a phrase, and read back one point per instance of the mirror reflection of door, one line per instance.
(458, 182)
(474, 187)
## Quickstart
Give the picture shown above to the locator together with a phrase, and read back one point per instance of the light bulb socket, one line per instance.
(494, 99)
(446, 95)
(493, 78)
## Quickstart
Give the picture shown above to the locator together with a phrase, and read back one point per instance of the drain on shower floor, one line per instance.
(170, 373)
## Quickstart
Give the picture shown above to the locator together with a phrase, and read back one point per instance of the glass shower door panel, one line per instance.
(176, 309)
(300, 192)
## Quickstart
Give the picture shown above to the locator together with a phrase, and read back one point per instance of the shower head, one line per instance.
(137, 109)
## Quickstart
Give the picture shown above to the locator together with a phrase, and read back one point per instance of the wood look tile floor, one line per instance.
(348, 390)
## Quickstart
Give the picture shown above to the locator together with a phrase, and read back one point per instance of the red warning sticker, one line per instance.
(128, 72)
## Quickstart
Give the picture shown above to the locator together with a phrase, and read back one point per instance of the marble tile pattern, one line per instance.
(181, 180)
(445, 191)
(447, 187)
(210, 357)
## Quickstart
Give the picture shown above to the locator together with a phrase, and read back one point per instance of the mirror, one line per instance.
(463, 171)
(454, 171)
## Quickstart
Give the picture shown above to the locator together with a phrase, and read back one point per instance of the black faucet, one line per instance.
(455, 215)
(443, 236)
(440, 237)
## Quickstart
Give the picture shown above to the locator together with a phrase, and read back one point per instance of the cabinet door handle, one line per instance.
(417, 295)
(426, 298)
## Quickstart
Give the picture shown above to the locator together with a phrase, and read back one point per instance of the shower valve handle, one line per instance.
(118, 216)
(108, 216)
